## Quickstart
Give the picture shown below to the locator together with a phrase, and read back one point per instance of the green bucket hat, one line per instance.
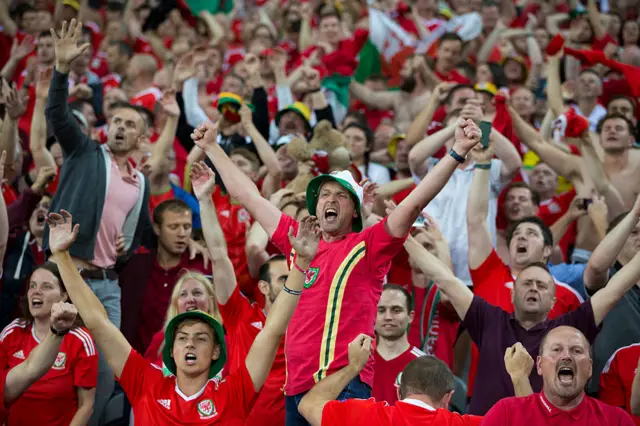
(169, 333)
(345, 179)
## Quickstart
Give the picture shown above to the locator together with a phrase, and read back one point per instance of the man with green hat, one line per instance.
(344, 280)
(194, 345)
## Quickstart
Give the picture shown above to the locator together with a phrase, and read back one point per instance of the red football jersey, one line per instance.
(110, 81)
(552, 210)
(493, 282)
(617, 377)
(147, 98)
(410, 412)
(243, 321)
(52, 400)
(157, 400)
(386, 377)
(342, 289)
(3, 410)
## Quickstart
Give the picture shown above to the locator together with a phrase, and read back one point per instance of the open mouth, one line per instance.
(566, 375)
(192, 308)
(36, 303)
(531, 298)
(40, 218)
(119, 137)
(521, 248)
(190, 358)
(331, 214)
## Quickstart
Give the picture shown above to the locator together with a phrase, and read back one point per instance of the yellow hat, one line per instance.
(73, 3)
(392, 147)
(486, 87)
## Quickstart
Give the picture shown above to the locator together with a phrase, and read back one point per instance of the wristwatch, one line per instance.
(59, 333)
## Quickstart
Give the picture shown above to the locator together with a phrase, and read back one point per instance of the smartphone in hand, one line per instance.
(485, 128)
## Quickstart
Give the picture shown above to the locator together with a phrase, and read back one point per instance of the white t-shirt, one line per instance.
(449, 209)
(377, 173)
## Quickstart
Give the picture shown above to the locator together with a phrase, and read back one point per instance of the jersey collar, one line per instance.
(418, 403)
(551, 410)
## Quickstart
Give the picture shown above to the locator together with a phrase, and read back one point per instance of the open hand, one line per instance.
(467, 135)
(517, 361)
(15, 100)
(44, 81)
(359, 351)
(203, 180)
(578, 207)
(369, 197)
(45, 175)
(21, 50)
(63, 315)
(169, 103)
(205, 135)
(61, 232)
(246, 115)
(197, 249)
(66, 44)
(305, 243)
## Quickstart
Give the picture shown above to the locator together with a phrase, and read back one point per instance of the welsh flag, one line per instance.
(387, 48)
(389, 44)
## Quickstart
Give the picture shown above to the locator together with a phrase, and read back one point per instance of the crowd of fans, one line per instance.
(279, 212)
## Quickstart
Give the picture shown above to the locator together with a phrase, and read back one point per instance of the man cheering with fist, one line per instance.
(349, 267)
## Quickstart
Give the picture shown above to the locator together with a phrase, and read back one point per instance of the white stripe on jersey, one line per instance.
(17, 323)
(85, 339)
(608, 364)
(417, 352)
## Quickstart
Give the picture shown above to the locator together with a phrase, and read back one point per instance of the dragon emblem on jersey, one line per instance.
(398, 379)
(312, 276)
(206, 409)
(60, 361)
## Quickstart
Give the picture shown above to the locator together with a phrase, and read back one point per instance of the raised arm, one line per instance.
(164, 145)
(596, 273)
(38, 136)
(64, 124)
(508, 154)
(42, 357)
(264, 347)
(4, 216)
(239, 186)
(329, 388)
(519, 363)
(478, 233)
(427, 147)
(595, 168)
(273, 180)
(109, 339)
(420, 124)
(565, 164)
(9, 139)
(455, 290)
(203, 181)
(575, 211)
(554, 88)
(616, 288)
(467, 135)
(380, 100)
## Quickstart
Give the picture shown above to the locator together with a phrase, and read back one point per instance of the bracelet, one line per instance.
(456, 156)
(291, 292)
(482, 166)
(59, 333)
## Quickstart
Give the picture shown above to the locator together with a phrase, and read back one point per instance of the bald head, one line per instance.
(142, 65)
(563, 333)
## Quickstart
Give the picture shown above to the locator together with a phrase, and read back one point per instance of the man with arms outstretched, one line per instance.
(194, 349)
(349, 267)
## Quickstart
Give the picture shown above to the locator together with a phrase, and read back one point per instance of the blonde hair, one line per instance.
(213, 310)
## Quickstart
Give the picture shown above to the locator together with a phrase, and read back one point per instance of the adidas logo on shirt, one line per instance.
(19, 354)
(257, 325)
(166, 403)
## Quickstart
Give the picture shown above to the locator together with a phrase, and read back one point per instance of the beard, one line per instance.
(408, 84)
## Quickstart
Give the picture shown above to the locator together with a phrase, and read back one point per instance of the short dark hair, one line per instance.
(591, 71)
(250, 156)
(490, 3)
(236, 76)
(546, 232)
(78, 103)
(21, 9)
(264, 271)
(626, 98)
(44, 34)
(535, 197)
(115, 6)
(148, 117)
(174, 205)
(328, 14)
(426, 375)
(357, 115)
(454, 89)
(401, 289)
(612, 117)
(123, 48)
(450, 36)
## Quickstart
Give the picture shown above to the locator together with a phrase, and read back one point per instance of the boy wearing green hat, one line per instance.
(194, 345)
(344, 281)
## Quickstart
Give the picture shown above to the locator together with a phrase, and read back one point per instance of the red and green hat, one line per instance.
(345, 179)
(169, 337)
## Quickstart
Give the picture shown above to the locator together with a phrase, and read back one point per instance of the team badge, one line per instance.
(60, 361)
(398, 379)
(206, 409)
(312, 276)
(243, 215)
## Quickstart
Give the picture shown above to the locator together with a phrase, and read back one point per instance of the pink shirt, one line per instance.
(122, 194)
